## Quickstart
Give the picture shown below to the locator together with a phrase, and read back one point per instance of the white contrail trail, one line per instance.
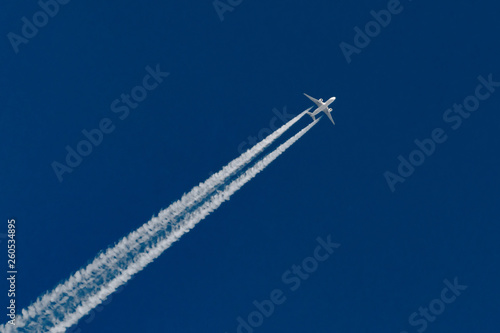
(132, 243)
(61, 315)
(188, 222)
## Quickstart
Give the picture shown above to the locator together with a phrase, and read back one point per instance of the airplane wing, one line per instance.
(318, 103)
(330, 116)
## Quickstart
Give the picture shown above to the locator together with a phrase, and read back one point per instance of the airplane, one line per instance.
(322, 107)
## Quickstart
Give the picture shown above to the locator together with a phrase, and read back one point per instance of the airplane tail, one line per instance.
(311, 115)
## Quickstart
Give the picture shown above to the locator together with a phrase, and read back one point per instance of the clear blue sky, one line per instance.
(226, 77)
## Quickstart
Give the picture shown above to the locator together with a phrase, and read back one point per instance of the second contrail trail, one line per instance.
(136, 240)
(63, 307)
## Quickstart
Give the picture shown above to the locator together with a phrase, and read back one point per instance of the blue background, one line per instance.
(226, 78)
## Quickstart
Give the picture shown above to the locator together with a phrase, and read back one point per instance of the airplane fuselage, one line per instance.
(324, 107)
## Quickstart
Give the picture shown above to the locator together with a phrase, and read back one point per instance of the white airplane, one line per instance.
(322, 107)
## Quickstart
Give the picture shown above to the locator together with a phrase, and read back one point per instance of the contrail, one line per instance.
(189, 221)
(135, 241)
(62, 312)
